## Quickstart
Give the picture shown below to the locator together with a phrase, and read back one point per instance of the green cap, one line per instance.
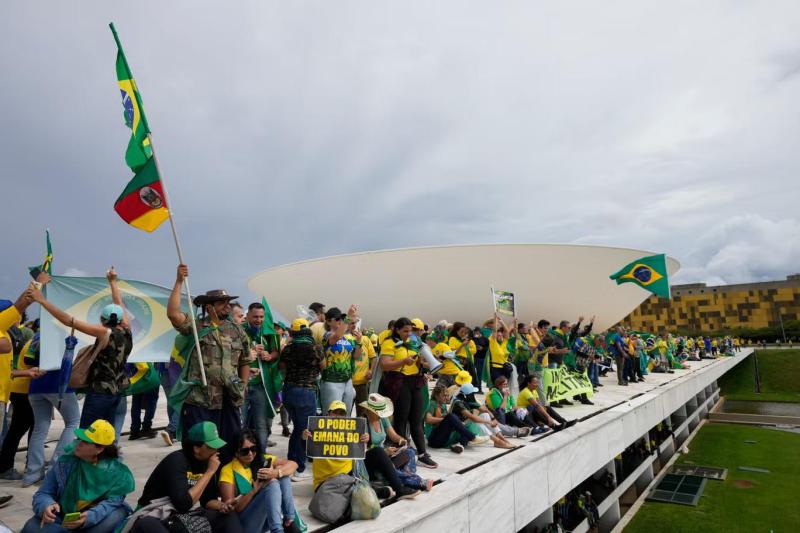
(206, 432)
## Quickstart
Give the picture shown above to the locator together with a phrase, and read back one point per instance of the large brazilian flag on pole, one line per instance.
(650, 273)
(84, 298)
(139, 150)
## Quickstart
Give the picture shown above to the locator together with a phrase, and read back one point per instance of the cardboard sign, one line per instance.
(336, 437)
(561, 384)
(504, 302)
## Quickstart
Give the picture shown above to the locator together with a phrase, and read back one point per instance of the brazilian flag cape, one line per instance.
(88, 484)
(143, 378)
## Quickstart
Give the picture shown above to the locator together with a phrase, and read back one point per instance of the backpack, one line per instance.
(79, 376)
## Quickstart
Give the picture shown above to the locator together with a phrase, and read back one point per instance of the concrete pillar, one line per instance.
(541, 521)
(691, 406)
(678, 417)
(644, 480)
(610, 518)
(701, 397)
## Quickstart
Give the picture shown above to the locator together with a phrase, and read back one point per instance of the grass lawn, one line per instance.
(745, 501)
(780, 378)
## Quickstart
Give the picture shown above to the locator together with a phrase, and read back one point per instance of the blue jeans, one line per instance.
(594, 374)
(300, 404)
(42, 406)
(172, 413)
(270, 507)
(330, 391)
(254, 414)
(147, 400)
(99, 405)
(107, 525)
(281, 504)
(119, 416)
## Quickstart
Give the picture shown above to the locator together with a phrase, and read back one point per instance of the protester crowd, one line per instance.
(416, 385)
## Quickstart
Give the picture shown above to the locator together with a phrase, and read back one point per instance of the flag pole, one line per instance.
(180, 260)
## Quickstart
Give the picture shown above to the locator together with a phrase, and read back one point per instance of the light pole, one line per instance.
(780, 319)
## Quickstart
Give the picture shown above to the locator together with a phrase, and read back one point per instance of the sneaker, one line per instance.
(571, 423)
(426, 461)
(149, 434)
(383, 493)
(457, 448)
(587, 401)
(524, 432)
(622, 383)
(301, 476)
(539, 430)
(134, 435)
(565, 402)
(286, 432)
(271, 444)
(10, 475)
(167, 437)
(407, 493)
(599, 384)
(481, 439)
(32, 481)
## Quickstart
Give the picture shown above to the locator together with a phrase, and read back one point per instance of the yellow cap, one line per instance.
(417, 323)
(463, 377)
(337, 405)
(100, 433)
(298, 324)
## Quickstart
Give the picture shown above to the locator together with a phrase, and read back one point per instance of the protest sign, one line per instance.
(504, 302)
(336, 437)
(563, 384)
(84, 298)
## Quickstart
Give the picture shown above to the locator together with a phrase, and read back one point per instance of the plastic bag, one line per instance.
(364, 504)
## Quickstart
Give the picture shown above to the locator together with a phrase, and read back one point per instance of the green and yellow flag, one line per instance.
(47, 265)
(648, 272)
(139, 150)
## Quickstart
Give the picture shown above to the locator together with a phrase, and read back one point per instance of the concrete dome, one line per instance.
(551, 281)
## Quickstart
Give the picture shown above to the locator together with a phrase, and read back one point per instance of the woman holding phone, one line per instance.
(259, 487)
(86, 487)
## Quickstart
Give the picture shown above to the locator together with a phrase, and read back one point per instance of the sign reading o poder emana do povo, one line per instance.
(336, 437)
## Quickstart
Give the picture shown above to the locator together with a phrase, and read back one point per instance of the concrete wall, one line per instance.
(512, 491)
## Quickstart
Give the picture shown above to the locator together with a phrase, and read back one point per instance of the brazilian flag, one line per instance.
(139, 151)
(47, 265)
(649, 273)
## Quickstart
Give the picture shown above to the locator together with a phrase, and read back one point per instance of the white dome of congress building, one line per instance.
(551, 281)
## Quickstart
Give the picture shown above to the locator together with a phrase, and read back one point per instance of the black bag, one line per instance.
(191, 522)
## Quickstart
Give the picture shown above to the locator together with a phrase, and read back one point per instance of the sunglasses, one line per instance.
(247, 451)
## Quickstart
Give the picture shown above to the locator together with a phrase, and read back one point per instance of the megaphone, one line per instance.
(433, 364)
(305, 312)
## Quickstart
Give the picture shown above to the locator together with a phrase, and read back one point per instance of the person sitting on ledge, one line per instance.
(529, 399)
(503, 406)
(444, 428)
(85, 489)
(466, 407)
(376, 461)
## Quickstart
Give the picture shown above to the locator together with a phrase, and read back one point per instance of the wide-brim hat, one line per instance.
(216, 295)
(380, 405)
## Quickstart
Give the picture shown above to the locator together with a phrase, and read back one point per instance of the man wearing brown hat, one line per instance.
(225, 348)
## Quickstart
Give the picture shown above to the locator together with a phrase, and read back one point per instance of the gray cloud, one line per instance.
(292, 131)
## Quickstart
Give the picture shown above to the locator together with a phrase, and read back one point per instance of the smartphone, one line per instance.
(268, 462)
(71, 517)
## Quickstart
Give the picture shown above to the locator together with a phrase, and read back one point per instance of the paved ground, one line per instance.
(142, 455)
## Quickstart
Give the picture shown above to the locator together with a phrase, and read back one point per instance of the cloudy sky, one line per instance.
(294, 130)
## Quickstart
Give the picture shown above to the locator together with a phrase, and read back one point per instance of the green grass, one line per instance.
(780, 378)
(769, 505)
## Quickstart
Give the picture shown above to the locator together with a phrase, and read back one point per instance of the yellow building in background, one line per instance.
(697, 307)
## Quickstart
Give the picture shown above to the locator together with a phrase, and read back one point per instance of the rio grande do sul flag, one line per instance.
(649, 273)
(142, 203)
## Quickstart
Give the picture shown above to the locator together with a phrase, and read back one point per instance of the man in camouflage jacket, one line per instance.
(225, 349)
